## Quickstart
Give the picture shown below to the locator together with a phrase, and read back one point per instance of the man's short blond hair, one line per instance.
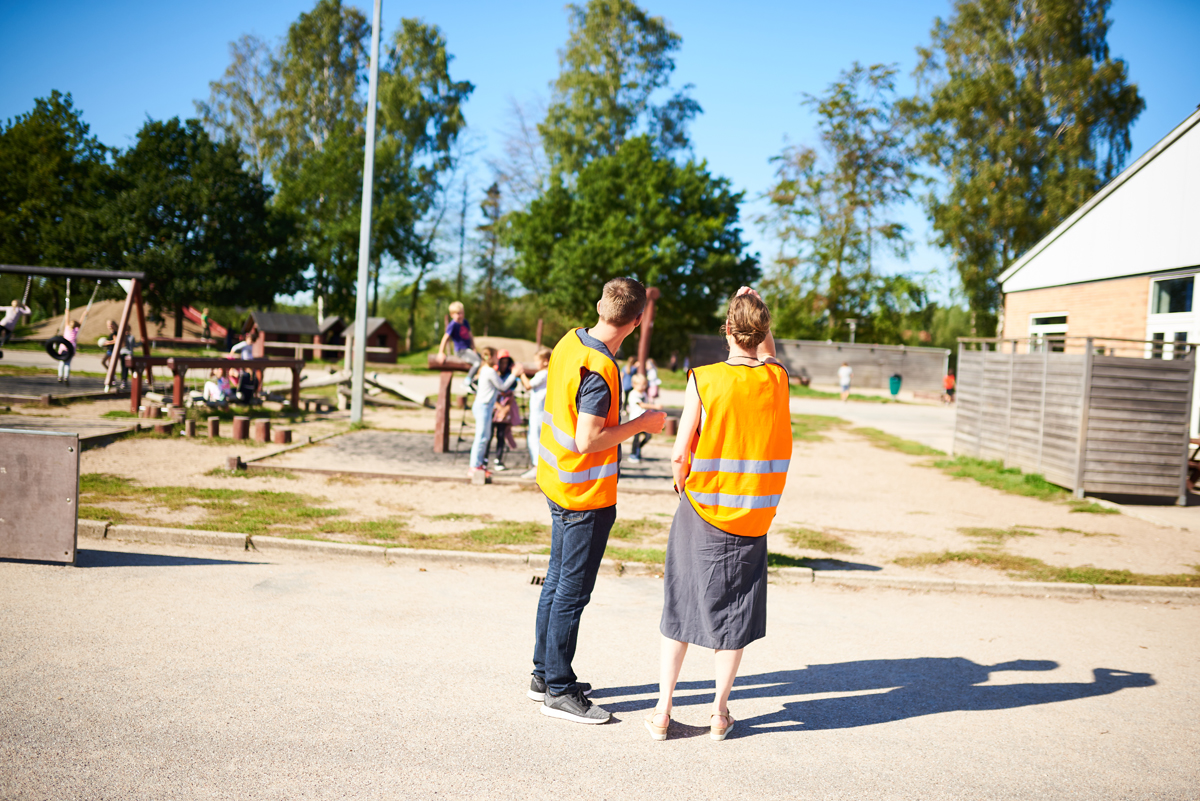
(456, 306)
(622, 302)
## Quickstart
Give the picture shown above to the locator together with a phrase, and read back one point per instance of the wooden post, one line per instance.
(538, 339)
(1081, 446)
(214, 427)
(177, 395)
(241, 428)
(295, 388)
(121, 326)
(349, 351)
(262, 429)
(135, 391)
(441, 414)
(283, 436)
(164, 428)
(189, 429)
(141, 314)
(652, 294)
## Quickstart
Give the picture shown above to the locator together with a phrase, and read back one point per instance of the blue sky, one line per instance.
(749, 62)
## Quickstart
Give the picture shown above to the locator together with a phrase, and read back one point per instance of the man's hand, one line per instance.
(653, 421)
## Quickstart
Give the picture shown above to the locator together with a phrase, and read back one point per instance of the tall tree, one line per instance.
(1025, 114)
(306, 114)
(491, 264)
(616, 58)
(54, 175)
(832, 209)
(636, 214)
(197, 223)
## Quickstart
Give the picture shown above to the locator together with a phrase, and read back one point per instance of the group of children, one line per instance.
(493, 378)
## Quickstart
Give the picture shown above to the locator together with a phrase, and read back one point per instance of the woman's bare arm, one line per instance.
(689, 422)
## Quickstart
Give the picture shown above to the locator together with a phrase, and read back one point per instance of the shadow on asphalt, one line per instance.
(885, 690)
(121, 559)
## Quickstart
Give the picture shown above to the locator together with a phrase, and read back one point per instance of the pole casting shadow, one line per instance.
(885, 690)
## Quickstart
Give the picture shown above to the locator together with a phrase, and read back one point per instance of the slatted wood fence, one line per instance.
(1087, 421)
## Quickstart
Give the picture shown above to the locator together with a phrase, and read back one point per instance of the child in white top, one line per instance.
(71, 334)
(537, 406)
(490, 385)
(635, 407)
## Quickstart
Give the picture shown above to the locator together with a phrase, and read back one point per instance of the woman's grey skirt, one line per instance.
(714, 584)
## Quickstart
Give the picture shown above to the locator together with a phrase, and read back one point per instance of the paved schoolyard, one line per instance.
(155, 672)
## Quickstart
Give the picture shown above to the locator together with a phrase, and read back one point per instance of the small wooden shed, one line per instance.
(1101, 416)
(280, 327)
(380, 334)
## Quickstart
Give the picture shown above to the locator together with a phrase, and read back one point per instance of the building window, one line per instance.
(1173, 295)
(1047, 331)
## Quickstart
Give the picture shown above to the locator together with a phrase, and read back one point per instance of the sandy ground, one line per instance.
(883, 504)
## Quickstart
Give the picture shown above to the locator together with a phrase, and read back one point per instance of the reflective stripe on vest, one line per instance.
(741, 457)
(574, 480)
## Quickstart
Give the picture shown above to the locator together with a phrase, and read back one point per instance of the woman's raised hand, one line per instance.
(748, 291)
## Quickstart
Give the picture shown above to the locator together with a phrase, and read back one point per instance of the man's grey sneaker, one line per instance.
(574, 706)
(537, 688)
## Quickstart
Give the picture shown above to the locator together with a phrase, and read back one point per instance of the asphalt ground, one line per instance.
(172, 672)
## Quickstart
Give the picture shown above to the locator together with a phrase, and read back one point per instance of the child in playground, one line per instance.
(639, 401)
(537, 405)
(458, 332)
(490, 386)
(71, 334)
(110, 344)
(505, 414)
(214, 393)
(653, 382)
(627, 373)
(12, 318)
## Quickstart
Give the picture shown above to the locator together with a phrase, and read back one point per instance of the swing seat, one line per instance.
(60, 349)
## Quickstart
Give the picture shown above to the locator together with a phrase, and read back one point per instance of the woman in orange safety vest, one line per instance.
(730, 464)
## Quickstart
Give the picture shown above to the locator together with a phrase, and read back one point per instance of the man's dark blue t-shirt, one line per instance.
(594, 396)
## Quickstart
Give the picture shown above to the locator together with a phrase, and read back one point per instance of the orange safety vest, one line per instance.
(574, 480)
(740, 462)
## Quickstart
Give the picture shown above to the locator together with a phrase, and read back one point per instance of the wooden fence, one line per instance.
(1086, 419)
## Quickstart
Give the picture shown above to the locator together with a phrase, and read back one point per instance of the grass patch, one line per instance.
(456, 516)
(811, 427)
(238, 511)
(118, 413)
(996, 537)
(656, 556)
(1093, 508)
(1008, 479)
(636, 529)
(508, 532)
(387, 529)
(882, 439)
(1027, 568)
(221, 472)
(810, 539)
(808, 392)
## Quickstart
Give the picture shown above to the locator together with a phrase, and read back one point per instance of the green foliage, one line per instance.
(1091, 507)
(299, 113)
(636, 214)
(1024, 114)
(508, 532)
(830, 212)
(616, 58)
(197, 223)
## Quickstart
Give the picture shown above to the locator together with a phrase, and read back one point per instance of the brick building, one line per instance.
(1124, 265)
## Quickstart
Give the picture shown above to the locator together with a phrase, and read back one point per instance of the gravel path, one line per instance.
(157, 672)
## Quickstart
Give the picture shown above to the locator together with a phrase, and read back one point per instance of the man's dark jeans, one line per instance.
(577, 542)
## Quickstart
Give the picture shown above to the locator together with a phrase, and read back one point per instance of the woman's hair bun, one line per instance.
(748, 321)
